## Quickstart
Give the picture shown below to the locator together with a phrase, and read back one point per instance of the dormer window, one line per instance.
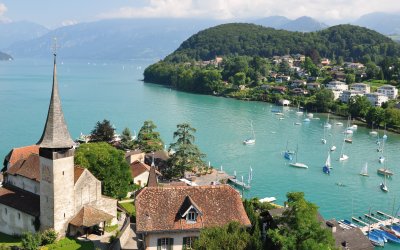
(191, 216)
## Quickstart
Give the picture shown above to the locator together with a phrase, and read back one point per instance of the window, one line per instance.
(165, 243)
(5, 210)
(188, 242)
(19, 216)
(191, 216)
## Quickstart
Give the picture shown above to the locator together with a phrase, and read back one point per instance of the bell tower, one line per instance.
(56, 154)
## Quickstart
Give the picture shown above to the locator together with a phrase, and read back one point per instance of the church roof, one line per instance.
(28, 168)
(90, 216)
(20, 154)
(55, 132)
(138, 168)
(21, 200)
(158, 209)
(152, 180)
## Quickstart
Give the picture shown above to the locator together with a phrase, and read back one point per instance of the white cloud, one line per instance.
(228, 9)
(3, 9)
(69, 22)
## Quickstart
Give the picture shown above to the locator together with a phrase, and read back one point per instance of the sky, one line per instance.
(56, 13)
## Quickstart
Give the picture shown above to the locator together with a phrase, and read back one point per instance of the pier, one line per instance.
(239, 183)
(375, 223)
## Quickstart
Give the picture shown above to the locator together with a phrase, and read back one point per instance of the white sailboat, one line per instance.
(343, 156)
(323, 140)
(381, 158)
(298, 110)
(298, 164)
(327, 124)
(251, 140)
(364, 170)
(373, 132)
(383, 186)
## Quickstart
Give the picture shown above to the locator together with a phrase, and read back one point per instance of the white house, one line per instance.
(376, 98)
(347, 94)
(362, 87)
(388, 90)
(337, 85)
(172, 217)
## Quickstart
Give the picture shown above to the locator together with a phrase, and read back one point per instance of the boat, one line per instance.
(381, 148)
(348, 140)
(327, 167)
(310, 115)
(390, 237)
(383, 186)
(279, 113)
(349, 223)
(83, 138)
(323, 140)
(343, 156)
(268, 199)
(348, 131)
(339, 124)
(375, 239)
(327, 124)
(364, 170)
(385, 172)
(306, 120)
(333, 148)
(298, 110)
(251, 140)
(379, 234)
(288, 154)
(298, 164)
(297, 123)
(373, 132)
(381, 159)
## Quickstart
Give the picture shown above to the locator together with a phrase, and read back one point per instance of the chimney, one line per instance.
(331, 225)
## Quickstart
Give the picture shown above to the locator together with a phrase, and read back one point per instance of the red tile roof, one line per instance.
(28, 167)
(21, 200)
(90, 216)
(158, 208)
(21, 153)
(138, 168)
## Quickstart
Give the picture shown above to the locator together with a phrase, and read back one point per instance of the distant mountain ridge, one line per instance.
(301, 24)
(19, 31)
(385, 23)
(5, 57)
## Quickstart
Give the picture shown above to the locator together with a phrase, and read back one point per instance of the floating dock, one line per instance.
(238, 183)
(383, 220)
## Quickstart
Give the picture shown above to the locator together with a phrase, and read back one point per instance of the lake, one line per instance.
(92, 91)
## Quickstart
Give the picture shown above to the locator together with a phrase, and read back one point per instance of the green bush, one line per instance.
(31, 241)
(49, 236)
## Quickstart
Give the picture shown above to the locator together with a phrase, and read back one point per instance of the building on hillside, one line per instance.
(43, 189)
(172, 217)
(388, 90)
(362, 87)
(352, 65)
(140, 173)
(347, 94)
(376, 99)
(345, 238)
(134, 155)
(325, 61)
(313, 85)
(337, 85)
(298, 83)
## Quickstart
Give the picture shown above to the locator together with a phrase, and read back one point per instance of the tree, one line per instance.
(107, 164)
(228, 237)
(103, 131)
(187, 156)
(375, 116)
(324, 99)
(358, 106)
(350, 78)
(299, 227)
(31, 241)
(149, 140)
(126, 139)
(392, 117)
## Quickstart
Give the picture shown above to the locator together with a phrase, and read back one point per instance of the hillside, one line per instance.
(5, 57)
(348, 41)
(301, 24)
(19, 31)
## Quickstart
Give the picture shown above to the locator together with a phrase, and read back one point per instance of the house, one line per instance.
(171, 217)
(352, 65)
(337, 85)
(282, 78)
(362, 87)
(339, 76)
(313, 85)
(140, 173)
(376, 98)
(325, 61)
(345, 238)
(278, 89)
(388, 90)
(299, 91)
(43, 189)
(298, 83)
(135, 155)
(347, 94)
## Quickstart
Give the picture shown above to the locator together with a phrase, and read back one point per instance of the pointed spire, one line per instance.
(55, 133)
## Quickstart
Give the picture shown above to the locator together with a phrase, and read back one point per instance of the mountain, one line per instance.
(5, 57)
(385, 23)
(19, 31)
(114, 39)
(301, 24)
(347, 41)
(275, 22)
(304, 24)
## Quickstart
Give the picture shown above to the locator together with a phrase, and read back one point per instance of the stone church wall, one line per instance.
(24, 183)
(15, 222)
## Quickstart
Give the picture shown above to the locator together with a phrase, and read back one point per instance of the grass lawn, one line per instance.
(8, 240)
(128, 207)
(71, 244)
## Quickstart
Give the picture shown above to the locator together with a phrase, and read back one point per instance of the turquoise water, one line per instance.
(92, 91)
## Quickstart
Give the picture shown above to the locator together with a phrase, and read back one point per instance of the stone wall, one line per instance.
(24, 183)
(15, 222)
(87, 190)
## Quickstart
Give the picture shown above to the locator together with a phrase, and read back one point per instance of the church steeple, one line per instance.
(55, 134)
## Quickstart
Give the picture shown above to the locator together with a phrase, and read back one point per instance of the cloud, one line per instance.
(230, 9)
(3, 9)
(69, 22)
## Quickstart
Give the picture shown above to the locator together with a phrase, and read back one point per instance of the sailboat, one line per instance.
(298, 164)
(323, 140)
(327, 167)
(343, 156)
(298, 110)
(327, 124)
(383, 185)
(381, 158)
(373, 132)
(251, 140)
(364, 170)
(288, 154)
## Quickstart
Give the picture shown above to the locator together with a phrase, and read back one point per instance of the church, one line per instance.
(43, 189)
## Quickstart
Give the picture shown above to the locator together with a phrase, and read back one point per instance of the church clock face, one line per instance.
(46, 175)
